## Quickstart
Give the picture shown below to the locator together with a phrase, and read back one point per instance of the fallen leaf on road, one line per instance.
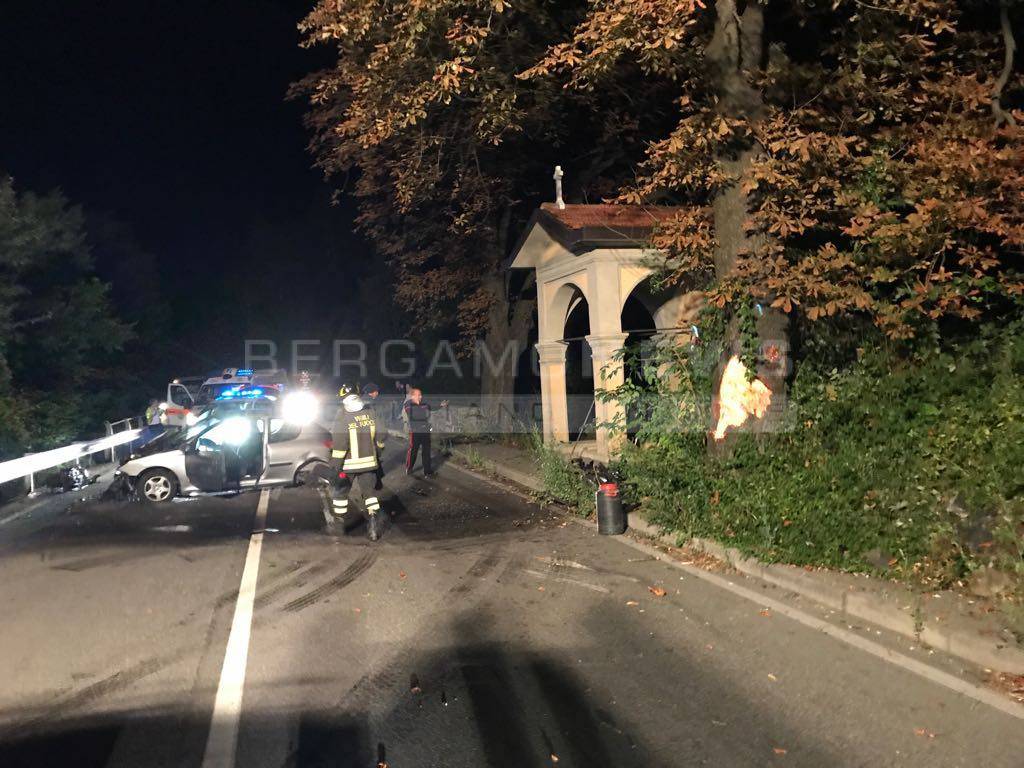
(766, 613)
(657, 591)
(632, 602)
(772, 677)
(924, 732)
(778, 750)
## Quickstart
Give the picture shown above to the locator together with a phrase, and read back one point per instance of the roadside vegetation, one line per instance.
(67, 358)
(563, 480)
(908, 464)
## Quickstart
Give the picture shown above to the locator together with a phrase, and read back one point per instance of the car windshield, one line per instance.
(210, 392)
(182, 437)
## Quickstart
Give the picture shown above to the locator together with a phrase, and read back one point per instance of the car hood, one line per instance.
(138, 464)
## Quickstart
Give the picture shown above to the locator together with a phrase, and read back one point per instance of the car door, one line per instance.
(179, 404)
(205, 465)
(282, 451)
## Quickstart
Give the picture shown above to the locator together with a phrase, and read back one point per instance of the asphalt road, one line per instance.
(481, 631)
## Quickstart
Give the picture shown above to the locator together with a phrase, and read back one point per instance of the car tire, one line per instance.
(156, 486)
(305, 473)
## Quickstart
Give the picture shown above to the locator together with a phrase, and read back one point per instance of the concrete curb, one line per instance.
(985, 651)
(519, 478)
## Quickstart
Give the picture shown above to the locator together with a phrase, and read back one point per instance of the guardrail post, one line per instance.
(108, 454)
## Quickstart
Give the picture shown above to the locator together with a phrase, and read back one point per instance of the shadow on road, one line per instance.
(479, 702)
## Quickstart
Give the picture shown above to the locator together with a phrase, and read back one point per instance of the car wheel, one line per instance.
(156, 486)
(306, 472)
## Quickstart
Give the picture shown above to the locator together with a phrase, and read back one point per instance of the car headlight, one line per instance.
(300, 408)
(236, 430)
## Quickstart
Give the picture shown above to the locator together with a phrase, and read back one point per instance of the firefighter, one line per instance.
(355, 461)
(371, 393)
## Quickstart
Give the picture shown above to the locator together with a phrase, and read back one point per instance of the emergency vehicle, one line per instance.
(188, 397)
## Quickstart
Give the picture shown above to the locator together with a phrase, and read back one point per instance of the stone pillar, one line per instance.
(608, 375)
(554, 407)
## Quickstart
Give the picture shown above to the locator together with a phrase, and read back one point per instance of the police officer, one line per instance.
(355, 461)
(416, 414)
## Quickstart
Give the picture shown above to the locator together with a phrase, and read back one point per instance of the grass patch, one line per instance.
(563, 480)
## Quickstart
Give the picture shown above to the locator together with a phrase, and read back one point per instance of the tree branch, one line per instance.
(1009, 48)
(45, 317)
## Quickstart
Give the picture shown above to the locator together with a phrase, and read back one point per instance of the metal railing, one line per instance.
(116, 427)
(118, 433)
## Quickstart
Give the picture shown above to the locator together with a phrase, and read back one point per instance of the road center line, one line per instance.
(227, 707)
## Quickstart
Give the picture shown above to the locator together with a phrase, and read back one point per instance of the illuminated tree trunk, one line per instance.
(734, 54)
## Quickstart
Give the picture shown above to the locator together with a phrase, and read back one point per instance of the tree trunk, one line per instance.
(735, 51)
(498, 355)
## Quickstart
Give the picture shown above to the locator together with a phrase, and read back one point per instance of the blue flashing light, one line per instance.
(241, 392)
(244, 372)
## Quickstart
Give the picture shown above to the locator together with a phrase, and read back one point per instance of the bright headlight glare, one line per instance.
(300, 408)
(236, 430)
(191, 418)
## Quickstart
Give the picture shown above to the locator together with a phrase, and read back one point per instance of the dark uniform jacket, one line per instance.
(417, 416)
(355, 441)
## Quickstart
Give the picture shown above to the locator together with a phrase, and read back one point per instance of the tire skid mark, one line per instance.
(98, 561)
(360, 566)
(111, 684)
(513, 568)
(368, 688)
(300, 577)
(229, 597)
(484, 564)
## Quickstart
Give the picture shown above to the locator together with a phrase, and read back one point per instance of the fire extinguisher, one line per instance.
(611, 517)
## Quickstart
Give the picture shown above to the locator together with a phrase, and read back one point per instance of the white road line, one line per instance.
(935, 675)
(227, 707)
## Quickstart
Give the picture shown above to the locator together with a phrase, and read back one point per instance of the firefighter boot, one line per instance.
(374, 522)
(333, 509)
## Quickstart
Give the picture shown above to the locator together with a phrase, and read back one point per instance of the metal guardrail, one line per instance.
(116, 427)
(27, 466)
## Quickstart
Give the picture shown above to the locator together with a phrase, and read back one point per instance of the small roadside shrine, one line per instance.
(594, 296)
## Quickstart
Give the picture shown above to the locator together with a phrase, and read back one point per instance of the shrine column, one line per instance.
(552, 391)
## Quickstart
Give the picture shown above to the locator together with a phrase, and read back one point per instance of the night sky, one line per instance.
(171, 117)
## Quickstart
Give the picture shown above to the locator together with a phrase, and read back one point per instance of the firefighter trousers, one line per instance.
(336, 491)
